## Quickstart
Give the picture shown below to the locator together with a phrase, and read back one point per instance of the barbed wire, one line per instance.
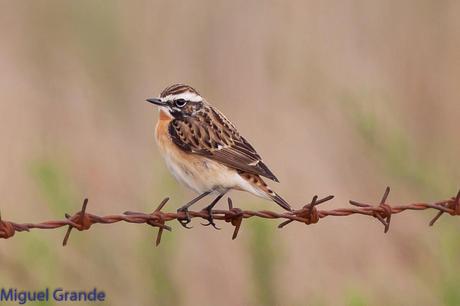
(308, 214)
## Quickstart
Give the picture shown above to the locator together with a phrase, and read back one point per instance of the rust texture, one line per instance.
(308, 214)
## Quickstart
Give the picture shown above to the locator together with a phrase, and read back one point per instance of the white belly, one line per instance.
(193, 175)
(204, 175)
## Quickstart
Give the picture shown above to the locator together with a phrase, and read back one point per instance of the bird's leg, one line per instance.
(187, 219)
(209, 210)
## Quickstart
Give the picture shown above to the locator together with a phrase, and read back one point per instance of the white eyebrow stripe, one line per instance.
(187, 96)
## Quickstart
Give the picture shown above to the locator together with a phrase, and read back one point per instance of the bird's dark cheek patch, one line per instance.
(177, 114)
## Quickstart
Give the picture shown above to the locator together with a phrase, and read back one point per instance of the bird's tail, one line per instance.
(261, 189)
(279, 200)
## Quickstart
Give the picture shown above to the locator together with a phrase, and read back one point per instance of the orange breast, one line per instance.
(161, 130)
(165, 142)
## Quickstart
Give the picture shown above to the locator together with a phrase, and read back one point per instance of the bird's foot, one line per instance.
(210, 218)
(184, 221)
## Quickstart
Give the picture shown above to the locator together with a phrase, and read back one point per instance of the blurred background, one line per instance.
(339, 97)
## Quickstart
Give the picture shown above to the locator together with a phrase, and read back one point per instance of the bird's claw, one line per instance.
(210, 219)
(185, 221)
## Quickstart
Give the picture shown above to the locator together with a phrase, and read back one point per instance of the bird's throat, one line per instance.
(164, 115)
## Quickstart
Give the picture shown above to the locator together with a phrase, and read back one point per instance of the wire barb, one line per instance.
(308, 214)
(453, 205)
(382, 212)
(235, 217)
(80, 219)
(160, 223)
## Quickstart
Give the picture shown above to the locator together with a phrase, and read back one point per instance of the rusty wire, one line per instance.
(308, 214)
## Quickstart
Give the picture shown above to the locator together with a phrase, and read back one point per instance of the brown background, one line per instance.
(339, 97)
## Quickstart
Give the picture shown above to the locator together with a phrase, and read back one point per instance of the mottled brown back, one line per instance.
(210, 134)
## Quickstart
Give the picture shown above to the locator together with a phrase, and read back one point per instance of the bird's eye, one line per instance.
(180, 102)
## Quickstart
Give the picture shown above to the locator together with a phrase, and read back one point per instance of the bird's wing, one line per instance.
(210, 134)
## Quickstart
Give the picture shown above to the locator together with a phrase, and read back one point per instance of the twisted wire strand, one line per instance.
(308, 214)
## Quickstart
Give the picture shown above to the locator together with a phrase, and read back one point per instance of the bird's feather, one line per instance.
(210, 134)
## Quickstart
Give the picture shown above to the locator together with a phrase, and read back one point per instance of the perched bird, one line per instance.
(204, 150)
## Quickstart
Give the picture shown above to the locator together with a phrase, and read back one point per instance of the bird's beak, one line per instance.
(156, 101)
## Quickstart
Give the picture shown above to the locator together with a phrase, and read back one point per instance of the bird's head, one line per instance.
(179, 101)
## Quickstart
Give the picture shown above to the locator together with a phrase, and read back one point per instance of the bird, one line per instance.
(205, 152)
